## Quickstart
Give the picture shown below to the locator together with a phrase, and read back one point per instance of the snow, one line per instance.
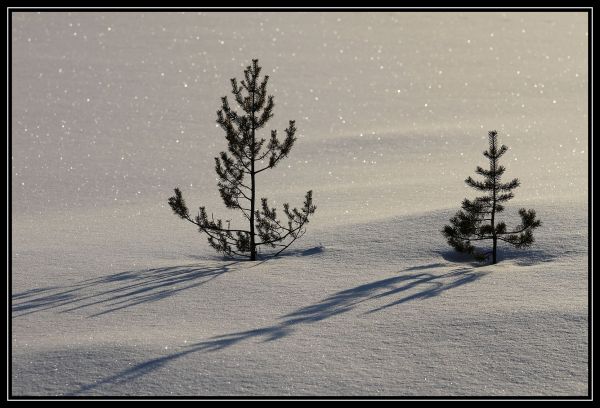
(112, 294)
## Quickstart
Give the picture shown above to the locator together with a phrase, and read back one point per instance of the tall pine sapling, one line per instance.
(477, 221)
(237, 171)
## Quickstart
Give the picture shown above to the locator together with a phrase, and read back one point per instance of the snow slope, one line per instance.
(113, 295)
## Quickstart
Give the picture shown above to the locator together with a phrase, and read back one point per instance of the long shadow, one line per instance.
(398, 289)
(418, 286)
(434, 286)
(117, 291)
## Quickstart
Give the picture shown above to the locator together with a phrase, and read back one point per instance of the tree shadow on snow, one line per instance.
(303, 252)
(520, 257)
(396, 290)
(117, 291)
(263, 257)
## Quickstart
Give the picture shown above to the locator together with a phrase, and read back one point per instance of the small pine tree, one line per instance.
(477, 221)
(242, 162)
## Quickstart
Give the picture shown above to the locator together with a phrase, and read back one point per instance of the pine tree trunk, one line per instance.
(494, 237)
(252, 185)
(252, 242)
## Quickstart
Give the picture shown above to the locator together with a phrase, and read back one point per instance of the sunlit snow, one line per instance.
(112, 294)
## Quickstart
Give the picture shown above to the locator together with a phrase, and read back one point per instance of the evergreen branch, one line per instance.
(233, 189)
(514, 183)
(266, 114)
(223, 173)
(202, 222)
(281, 238)
(178, 205)
(236, 183)
(217, 237)
(479, 185)
(290, 243)
(480, 238)
(294, 217)
(504, 197)
(481, 171)
(206, 228)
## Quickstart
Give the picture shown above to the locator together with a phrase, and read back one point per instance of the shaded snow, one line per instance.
(113, 295)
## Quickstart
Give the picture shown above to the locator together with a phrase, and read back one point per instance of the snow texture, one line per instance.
(112, 294)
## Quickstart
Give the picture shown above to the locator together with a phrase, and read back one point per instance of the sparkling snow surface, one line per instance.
(112, 294)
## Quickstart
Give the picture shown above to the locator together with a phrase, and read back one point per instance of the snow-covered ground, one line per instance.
(112, 294)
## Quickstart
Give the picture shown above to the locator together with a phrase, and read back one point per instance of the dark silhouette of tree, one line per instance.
(477, 221)
(241, 163)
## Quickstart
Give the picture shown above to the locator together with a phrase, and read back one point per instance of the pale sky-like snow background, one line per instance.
(119, 106)
(112, 110)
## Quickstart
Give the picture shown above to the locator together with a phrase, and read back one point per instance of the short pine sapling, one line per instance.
(477, 221)
(238, 169)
